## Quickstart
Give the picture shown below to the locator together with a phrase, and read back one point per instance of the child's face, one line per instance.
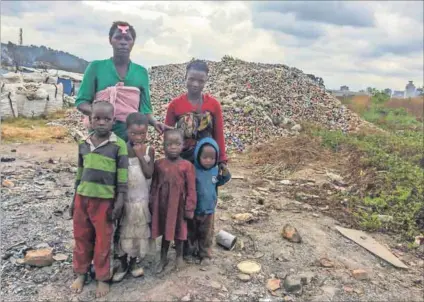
(208, 157)
(137, 134)
(173, 145)
(102, 120)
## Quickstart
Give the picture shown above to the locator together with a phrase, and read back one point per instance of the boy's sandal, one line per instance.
(119, 276)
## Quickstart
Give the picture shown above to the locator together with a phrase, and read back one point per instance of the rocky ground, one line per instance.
(37, 187)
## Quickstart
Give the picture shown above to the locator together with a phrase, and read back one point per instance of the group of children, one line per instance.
(121, 190)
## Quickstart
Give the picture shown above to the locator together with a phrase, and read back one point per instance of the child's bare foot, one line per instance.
(179, 263)
(78, 284)
(161, 266)
(205, 262)
(102, 289)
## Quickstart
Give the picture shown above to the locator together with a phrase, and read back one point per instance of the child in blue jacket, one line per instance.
(208, 178)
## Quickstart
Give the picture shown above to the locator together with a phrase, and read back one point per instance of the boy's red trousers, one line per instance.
(93, 234)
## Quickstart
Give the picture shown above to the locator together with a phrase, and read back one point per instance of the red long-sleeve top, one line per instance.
(181, 105)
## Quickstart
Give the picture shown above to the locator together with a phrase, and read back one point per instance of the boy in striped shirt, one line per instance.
(101, 187)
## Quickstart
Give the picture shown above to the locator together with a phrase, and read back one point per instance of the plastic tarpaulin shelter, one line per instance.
(67, 85)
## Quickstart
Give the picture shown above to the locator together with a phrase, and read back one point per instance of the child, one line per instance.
(101, 187)
(134, 227)
(201, 228)
(172, 197)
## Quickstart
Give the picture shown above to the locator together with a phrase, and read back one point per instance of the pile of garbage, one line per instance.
(29, 95)
(259, 101)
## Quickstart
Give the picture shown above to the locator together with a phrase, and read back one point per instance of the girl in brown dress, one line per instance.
(172, 197)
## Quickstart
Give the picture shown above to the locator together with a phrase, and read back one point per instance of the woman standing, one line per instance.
(198, 115)
(118, 80)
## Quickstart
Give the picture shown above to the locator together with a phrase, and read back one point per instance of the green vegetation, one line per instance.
(388, 170)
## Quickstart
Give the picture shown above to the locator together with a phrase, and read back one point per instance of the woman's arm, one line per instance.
(87, 90)
(170, 118)
(219, 132)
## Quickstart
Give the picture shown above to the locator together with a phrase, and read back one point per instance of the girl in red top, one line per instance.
(198, 115)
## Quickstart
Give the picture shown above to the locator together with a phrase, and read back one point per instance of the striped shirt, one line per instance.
(102, 170)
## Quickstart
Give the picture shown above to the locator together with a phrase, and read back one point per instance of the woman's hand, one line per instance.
(223, 169)
(161, 127)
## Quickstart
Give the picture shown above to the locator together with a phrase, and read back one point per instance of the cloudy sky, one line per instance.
(354, 43)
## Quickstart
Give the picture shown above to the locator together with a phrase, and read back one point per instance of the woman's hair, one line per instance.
(115, 25)
(198, 65)
(136, 118)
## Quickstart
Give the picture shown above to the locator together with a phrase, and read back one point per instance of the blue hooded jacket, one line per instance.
(207, 181)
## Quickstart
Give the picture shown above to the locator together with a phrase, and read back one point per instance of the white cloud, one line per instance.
(383, 49)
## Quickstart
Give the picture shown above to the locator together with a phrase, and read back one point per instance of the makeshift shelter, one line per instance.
(67, 85)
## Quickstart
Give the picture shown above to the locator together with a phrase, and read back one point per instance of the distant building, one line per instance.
(410, 90)
(345, 92)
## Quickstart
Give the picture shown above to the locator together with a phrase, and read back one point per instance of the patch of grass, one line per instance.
(224, 196)
(386, 171)
(22, 129)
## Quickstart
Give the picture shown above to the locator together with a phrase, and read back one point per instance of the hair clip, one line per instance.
(123, 28)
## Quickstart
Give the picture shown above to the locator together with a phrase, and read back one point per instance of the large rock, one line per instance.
(41, 257)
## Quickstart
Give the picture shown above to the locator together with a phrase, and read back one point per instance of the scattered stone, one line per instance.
(358, 291)
(291, 234)
(7, 183)
(60, 257)
(336, 179)
(348, 289)
(325, 262)
(292, 284)
(360, 274)
(297, 127)
(244, 277)
(215, 285)
(20, 261)
(41, 257)
(273, 284)
(286, 182)
(186, 298)
(243, 217)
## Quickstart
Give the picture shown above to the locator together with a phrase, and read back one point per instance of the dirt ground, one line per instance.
(34, 213)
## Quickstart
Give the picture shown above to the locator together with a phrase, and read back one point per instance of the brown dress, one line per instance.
(172, 198)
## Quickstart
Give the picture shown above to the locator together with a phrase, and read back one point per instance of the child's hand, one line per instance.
(140, 149)
(223, 168)
(71, 208)
(118, 207)
(188, 215)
